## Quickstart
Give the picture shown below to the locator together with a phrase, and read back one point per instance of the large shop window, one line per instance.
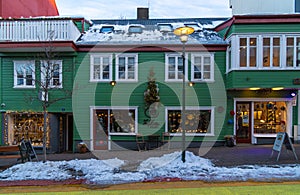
(28, 126)
(101, 67)
(24, 74)
(51, 70)
(202, 67)
(270, 117)
(126, 67)
(117, 121)
(174, 67)
(197, 121)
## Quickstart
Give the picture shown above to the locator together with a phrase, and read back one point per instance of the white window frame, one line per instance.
(92, 67)
(235, 55)
(126, 56)
(176, 55)
(51, 84)
(212, 65)
(294, 52)
(271, 37)
(212, 121)
(24, 63)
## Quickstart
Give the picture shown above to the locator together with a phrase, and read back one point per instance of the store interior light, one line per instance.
(254, 88)
(277, 88)
(293, 94)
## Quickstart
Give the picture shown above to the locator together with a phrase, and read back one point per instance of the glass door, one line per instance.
(101, 118)
(243, 122)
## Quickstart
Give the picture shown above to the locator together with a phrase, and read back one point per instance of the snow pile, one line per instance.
(166, 166)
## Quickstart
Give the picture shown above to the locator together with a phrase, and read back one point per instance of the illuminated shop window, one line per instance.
(270, 117)
(196, 121)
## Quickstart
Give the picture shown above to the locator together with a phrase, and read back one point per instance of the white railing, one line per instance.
(41, 30)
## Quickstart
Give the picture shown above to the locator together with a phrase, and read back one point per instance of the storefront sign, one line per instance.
(283, 138)
(296, 81)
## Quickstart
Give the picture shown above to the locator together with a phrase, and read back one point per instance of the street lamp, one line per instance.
(183, 33)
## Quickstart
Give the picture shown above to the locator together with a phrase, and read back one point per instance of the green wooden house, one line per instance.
(129, 76)
(26, 46)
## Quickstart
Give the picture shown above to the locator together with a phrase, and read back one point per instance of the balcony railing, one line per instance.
(38, 30)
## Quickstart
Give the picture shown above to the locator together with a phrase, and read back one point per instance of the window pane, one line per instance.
(253, 57)
(276, 57)
(243, 52)
(96, 60)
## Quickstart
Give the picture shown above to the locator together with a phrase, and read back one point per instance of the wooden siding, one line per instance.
(262, 79)
(22, 99)
(102, 94)
(264, 28)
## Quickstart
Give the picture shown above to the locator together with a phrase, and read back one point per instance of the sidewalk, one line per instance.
(242, 154)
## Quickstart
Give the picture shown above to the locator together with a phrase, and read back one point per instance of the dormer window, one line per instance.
(107, 29)
(165, 27)
(135, 29)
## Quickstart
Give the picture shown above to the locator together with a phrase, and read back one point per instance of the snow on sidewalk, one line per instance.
(167, 166)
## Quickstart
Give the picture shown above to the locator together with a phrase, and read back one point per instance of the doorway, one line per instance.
(100, 129)
(243, 122)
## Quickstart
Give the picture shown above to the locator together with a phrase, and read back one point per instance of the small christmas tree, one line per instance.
(151, 94)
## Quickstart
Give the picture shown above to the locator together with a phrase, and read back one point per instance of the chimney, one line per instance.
(142, 13)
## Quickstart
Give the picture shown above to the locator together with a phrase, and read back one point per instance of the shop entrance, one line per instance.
(101, 122)
(243, 122)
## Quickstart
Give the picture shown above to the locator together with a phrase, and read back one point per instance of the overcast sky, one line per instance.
(126, 9)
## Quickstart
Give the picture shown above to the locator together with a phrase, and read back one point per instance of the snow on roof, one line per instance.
(148, 32)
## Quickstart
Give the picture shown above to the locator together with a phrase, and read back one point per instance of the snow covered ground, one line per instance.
(164, 167)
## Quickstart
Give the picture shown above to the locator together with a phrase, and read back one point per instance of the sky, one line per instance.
(165, 167)
(126, 9)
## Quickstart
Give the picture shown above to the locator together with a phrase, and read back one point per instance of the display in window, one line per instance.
(195, 121)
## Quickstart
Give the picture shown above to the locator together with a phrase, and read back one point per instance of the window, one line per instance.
(197, 120)
(116, 121)
(263, 52)
(101, 67)
(271, 52)
(126, 67)
(174, 67)
(248, 48)
(24, 74)
(135, 29)
(107, 29)
(270, 117)
(202, 67)
(292, 52)
(51, 73)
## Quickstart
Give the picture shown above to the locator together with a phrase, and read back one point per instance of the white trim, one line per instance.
(24, 62)
(127, 55)
(211, 125)
(176, 55)
(289, 116)
(92, 66)
(235, 54)
(212, 65)
(51, 85)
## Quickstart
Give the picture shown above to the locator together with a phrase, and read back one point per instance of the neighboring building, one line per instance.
(23, 46)
(27, 8)
(260, 7)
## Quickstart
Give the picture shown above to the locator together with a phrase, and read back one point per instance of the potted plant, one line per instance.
(82, 147)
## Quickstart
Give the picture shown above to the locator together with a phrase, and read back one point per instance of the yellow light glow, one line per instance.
(183, 31)
(277, 88)
(254, 88)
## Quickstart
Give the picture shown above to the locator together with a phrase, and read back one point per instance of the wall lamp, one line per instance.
(191, 84)
(113, 83)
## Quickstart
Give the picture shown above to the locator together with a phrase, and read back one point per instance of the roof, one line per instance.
(151, 31)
